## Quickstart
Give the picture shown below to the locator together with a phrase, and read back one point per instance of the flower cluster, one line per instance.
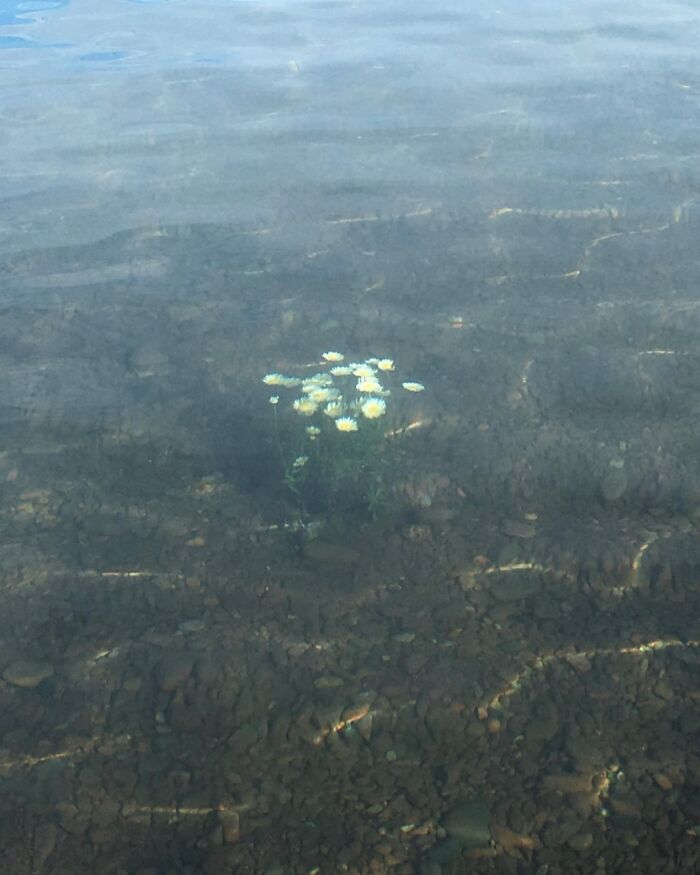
(345, 393)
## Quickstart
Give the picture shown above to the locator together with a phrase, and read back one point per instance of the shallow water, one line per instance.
(474, 646)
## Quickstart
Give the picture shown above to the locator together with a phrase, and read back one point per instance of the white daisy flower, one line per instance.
(314, 382)
(274, 399)
(334, 409)
(413, 387)
(346, 423)
(333, 356)
(341, 371)
(369, 385)
(373, 408)
(385, 364)
(279, 380)
(321, 395)
(305, 406)
(364, 371)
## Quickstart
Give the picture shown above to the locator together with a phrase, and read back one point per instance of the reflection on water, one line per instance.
(492, 668)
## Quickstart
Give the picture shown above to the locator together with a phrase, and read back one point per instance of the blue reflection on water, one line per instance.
(12, 12)
(16, 42)
(103, 56)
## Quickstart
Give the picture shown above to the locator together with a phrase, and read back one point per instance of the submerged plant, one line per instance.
(341, 452)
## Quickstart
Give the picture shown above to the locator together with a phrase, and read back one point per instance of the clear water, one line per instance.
(489, 662)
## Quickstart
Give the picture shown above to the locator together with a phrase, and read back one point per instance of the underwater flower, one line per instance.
(305, 406)
(321, 394)
(333, 356)
(373, 408)
(313, 431)
(274, 399)
(300, 461)
(363, 371)
(311, 383)
(279, 380)
(368, 385)
(341, 371)
(413, 387)
(334, 409)
(346, 423)
(385, 364)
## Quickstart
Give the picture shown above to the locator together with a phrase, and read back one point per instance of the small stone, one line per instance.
(328, 680)
(568, 783)
(174, 671)
(518, 529)
(512, 588)
(469, 824)
(444, 851)
(27, 673)
(191, 626)
(231, 826)
(582, 841)
(333, 554)
(663, 781)
(613, 485)
(44, 842)
(512, 841)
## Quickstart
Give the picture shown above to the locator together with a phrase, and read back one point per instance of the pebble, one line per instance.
(231, 827)
(174, 671)
(468, 824)
(663, 781)
(514, 587)
(518, 529)
(190, 626)
(582, 841)
(613, 485)
(328, 680)
(333, 554)
(27, 673)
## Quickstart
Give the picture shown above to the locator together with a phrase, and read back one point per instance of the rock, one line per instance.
(513, 841)
(582, 841)
(444, 851)
(568, 783)
(231, 826)
(332, 554)
(663, 781)
(613, 486)
(519, 529)
(189, 627)
(27, 673)
(174, 671)
(44, 842)
(468, 824)
(513, 587)
(244, 737)
(328, 680)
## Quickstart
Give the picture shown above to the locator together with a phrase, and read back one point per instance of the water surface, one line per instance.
(493, 665)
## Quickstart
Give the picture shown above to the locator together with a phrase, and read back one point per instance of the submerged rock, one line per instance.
(27, 673)
(469, 824)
